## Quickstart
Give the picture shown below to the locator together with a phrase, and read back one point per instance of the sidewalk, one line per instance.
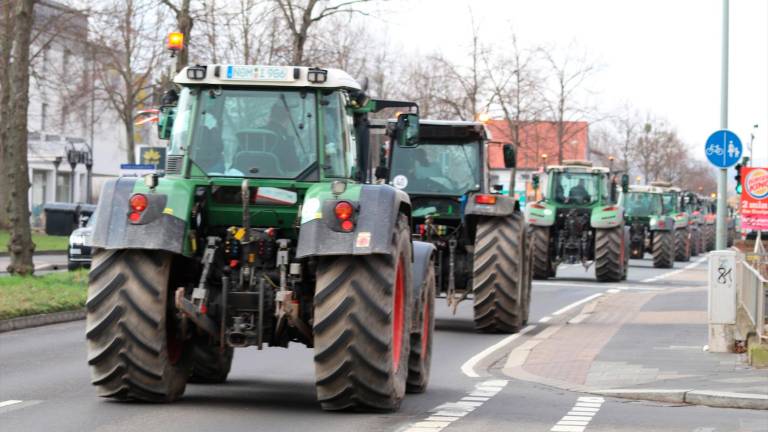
(44, 262)
(642, 345)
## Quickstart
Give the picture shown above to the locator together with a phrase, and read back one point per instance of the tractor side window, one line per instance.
(181, 125)
(336, 145)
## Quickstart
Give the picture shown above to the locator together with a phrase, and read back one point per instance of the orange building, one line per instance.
(537, 139)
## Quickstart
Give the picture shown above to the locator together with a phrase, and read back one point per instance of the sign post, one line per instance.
(723, 149)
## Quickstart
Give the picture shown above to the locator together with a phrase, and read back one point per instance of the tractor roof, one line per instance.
(578, 166)
(265, 76)
(645, 188)
(450, 130)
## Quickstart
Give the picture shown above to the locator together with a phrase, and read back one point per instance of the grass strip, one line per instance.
(53, 292)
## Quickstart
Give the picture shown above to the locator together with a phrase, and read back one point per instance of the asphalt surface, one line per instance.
(273, 389)
(43, 263)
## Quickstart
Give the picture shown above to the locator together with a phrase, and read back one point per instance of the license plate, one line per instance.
(75, 251)
(259, 73)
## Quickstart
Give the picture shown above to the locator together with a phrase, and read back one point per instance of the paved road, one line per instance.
(43, 263)
(272, 390)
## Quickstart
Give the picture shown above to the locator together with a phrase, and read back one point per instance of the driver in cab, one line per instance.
(579, 193)
(285, 148)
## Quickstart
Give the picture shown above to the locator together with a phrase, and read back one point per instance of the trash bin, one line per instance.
(60, 218)
(84, 213)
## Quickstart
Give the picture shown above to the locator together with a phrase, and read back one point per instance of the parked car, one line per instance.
(79, 253)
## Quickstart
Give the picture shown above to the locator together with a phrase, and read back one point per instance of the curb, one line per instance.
(40, 320)
(718, 399)
(42, 253)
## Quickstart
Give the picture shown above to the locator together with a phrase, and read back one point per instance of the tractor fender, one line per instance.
(662, 223)
(607, 217)
(155, 230)
(504, 206)
(377, 208)
(540, 214)
(422, 259)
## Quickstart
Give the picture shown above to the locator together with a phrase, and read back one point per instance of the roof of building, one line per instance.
(266, 76)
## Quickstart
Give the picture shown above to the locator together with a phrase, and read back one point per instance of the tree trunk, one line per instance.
(184, 21)
(6, 44)
(130, 149)
(20, 245)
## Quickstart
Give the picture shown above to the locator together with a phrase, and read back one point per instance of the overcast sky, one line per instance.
(661, 56)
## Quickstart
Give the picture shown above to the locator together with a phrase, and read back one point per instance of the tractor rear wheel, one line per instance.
(420, 359)
(695, 242)
(209, 364)
(498, 274)
(709, 231)
(542, 262)
(682, 245)
(361, 327)
(134, 347)
(663, 249)
(610, 254)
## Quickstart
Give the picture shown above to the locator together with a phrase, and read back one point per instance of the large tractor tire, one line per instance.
(527, 277)
(134, 349)
(695, 242)
(420, 360)
(663, 249)
(498, 274)
(610, 254)
(682, 245)
(362, 327)
(209, 364)
(709, 231)
(542, 262)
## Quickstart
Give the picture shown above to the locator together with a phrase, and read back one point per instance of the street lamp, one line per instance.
(544, 160)
(610, 163)
(56, 163)
(751, 140)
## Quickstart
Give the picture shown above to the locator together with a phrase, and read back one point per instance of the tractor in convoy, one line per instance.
(696, 220)
(673, 205)
(579, 220)
(265, 229)
(650, 230)
(479, 233)
(708, 210)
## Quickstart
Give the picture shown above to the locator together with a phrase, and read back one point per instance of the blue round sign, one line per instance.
(723, 149)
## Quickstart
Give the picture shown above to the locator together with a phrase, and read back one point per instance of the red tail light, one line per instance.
(661, 224)
(610, 208)
(485, 199)
(347, 225)
(538, 206)
(138, 203)
(343, 211)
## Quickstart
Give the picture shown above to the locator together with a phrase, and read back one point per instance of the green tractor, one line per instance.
(479, 234)
(708, 210)
(693, 207)
(578, 220)
(673, 205)
(650, 230)
(264, 230)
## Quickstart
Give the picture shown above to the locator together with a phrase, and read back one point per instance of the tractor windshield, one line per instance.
(269, 133)
(437, 168)
(576, 188)
(642, 204)
(669, 202)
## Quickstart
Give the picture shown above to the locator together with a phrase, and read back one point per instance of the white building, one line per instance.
(64, 113)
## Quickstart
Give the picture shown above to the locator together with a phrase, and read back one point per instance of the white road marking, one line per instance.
(675, 272)
(468, 368)
(9, 403)
(577, 420)
(443, 415)
(574, 304)
(545, 319)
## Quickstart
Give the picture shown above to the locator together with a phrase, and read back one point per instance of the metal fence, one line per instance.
(752, 292)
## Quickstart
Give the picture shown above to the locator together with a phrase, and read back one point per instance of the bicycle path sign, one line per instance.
(723, 148)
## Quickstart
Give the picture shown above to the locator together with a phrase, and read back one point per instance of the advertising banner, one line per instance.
(754, 199)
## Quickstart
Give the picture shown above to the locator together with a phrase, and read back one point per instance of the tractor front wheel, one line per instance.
(682, 244)
(362, 327)
(610, 254)
(134, 347)
(542, 262)
(420, 359)
(499, 273)
(209, 364)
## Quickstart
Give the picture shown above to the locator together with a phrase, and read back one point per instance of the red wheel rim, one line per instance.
(398, 312)
(425, 329)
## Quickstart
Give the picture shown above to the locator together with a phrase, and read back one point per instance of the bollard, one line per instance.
(722, 300)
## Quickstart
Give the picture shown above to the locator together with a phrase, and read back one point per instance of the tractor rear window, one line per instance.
(255, 133)
(437, 168)
(576, 188)
(642, 204)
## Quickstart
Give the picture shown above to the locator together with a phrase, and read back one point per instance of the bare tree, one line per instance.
(300, 15)
(515, 86)
(6, 46)
(627, 125)
(20, 245)
(131, 30)
(568, 76)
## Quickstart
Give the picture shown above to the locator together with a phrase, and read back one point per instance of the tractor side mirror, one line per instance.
(625, 183)
(407, 130)
(510, 156)
(535, 181)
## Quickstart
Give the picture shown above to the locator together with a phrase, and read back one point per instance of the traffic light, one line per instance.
(737, 177)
